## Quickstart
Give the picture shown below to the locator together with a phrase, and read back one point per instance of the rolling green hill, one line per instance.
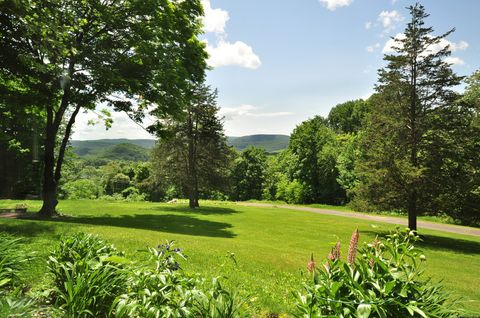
(271, 143)
(114, 149)
(139, 149)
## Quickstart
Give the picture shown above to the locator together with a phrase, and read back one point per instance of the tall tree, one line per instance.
(415, 83)
(131, 54)
(248, 174)
(314, 146)
(193, 153)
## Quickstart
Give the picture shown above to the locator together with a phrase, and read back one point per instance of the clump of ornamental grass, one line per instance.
(384, 278)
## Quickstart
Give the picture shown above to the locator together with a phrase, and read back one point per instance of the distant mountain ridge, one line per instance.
(271, 143)
(139, 149)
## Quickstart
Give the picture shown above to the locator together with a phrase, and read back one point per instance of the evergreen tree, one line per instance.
(193, 154)
(412, 88)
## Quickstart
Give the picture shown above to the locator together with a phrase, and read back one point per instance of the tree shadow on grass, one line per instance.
(441, 243)
(27, 228)
(169, 223)
(201, 210)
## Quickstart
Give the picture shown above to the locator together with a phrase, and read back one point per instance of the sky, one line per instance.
(277, 63)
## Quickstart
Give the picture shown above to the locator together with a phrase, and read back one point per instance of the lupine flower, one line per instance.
(311, 264)
(376, 242)
(336, 251)
(352, 248)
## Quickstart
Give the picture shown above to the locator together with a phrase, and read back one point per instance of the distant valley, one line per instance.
(139, 149)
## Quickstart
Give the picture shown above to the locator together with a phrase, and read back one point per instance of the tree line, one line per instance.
(411, 147)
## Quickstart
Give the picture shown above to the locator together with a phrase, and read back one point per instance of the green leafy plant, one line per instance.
(386, 280)
(219, 302)
(13, 307)
(165, 290)
(12, 260)
(88, 274)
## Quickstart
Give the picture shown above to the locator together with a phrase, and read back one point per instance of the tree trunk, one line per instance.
(412, 196)
(192, 165)
(49, 191)
(412, 210)
(51, 173)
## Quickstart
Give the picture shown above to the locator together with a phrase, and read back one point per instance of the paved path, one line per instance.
(376, 218)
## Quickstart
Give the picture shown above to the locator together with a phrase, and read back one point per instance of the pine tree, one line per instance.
(413, 86)
(193, 153)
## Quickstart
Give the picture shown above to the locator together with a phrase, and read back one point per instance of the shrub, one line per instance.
(82, 189)
(290, 191)
(384, 281)
(87, 274)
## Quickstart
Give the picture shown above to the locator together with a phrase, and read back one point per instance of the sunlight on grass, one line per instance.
(271, 246)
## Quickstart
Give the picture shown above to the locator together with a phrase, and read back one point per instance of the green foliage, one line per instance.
(12, 259)
(73, 56)
(314, 147)
(218, 302)
(472, 92)
(248, 174)
(346, 162)
(87, 274)
(20, 151)
(82, 189)
(413, 90)
(166, 291)
(193, 156)
(126, 151)
(348, 117)
(290, 191)
(13, 307)
(386, 280)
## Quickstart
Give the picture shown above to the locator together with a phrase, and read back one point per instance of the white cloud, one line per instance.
(225, 53)
(368, 25)
(391, 43)
(454, 60)
(373, 47)
(214, 20)
(231, 113)
(460, 46)
(238, 53)
(390, 20)
(332, 5)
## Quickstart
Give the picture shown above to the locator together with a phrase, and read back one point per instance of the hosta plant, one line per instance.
(383, 278)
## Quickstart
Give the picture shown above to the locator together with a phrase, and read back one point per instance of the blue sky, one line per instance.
(277, 63)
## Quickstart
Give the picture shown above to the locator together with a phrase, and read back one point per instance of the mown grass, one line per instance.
(346, 208)
(271, 246)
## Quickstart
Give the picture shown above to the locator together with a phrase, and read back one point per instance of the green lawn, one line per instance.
(271, 246)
